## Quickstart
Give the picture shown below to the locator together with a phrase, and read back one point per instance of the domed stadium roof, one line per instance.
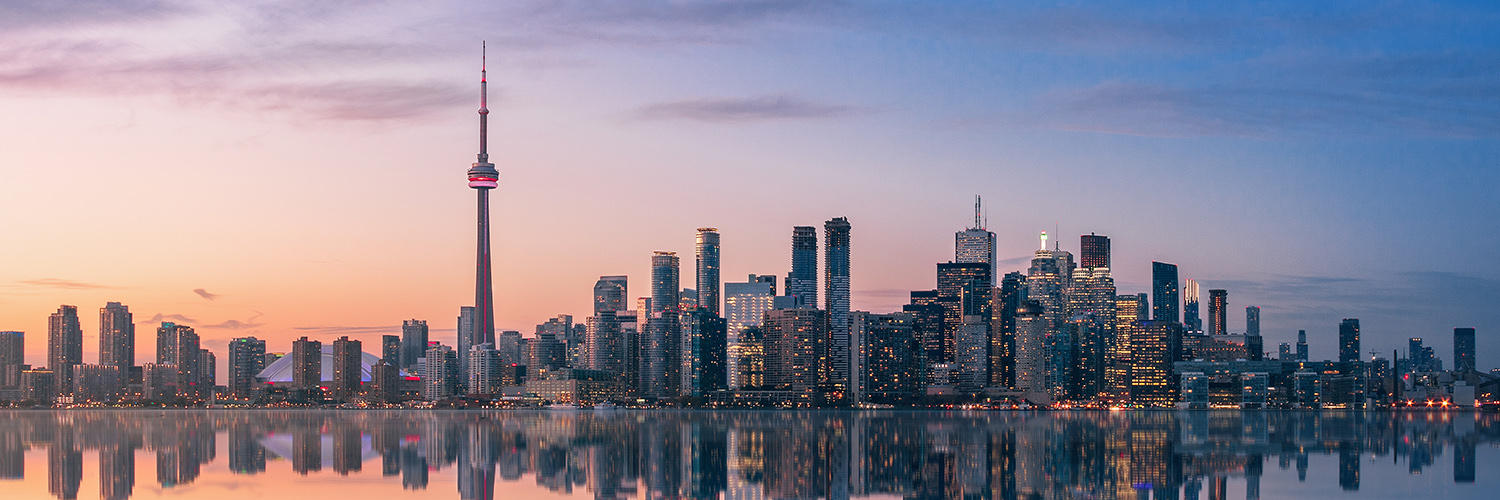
(280, 372)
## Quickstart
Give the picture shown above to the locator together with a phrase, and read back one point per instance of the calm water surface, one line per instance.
(746, 455)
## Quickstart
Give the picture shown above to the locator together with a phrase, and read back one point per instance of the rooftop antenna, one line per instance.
(1057, 229)
(978, 221)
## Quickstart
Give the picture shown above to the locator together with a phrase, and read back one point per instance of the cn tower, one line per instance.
(483, 177)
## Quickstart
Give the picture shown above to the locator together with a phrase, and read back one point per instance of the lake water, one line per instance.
(337, 455)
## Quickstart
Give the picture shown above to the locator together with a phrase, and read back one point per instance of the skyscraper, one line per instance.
(1301, 345)
(1164, 292)
(307, 363)
(346, 367)
(1093, 251)
(604, 345)
(745, 306)
(390, 350)
(117, 337)
(440, 380)
(247, 357)
(1151, 350)
(703, 350)
(1349, 340)
(708, 269)
(1008, 298)
(413, 342)
(177, 347)
(796, 350)
(891, 370)
(1252, 320)
(1191, 321)
(1047, 282)
(467, 336)
(1218, 311)
(482, 177)
(12, 356)
(975, 244)
(836, 299)
(1463, 349)
(802, 282)
(1030, 355)
(660, 349)
(64, 346)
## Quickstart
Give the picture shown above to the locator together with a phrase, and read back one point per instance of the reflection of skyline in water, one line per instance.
(746, 455)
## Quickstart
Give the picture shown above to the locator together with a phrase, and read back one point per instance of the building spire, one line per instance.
(978, 219)
(484, 110)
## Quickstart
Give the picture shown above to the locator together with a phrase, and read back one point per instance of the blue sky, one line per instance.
(1320, 160)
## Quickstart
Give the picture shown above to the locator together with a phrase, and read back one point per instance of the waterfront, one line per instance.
(746, 454)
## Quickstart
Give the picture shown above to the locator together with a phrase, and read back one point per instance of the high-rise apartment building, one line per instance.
(605, 344)
(1164, 292)
(1218, 312)
(796, 343)
(1254, 344)
(1463, 349)
(467, 334)
(12, 358)
(178, 346)
(1008, 298)
(346, 368)
(1030, 351)
(247, 357)
(1191, 320)
(1152, 351)
(1349, 340)
(64, 346)
(836, 300)
(413, 342)
(1252, 320)
(117, 337)
(307, 363)
(891, 357)
(802, 282)
(390, 350)
(1284, 352)
(660, 339)
(708, 269)
(745, 306)
(440, 374)
(703, 367)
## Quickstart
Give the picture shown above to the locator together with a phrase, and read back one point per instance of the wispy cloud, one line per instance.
(744, 109)
(175, 318)
(234, 324)
(204, 293)
(64, 284)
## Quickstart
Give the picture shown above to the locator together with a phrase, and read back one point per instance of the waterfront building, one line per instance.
(307, 363)
(1218, 312)
(604, 345)
(802, 282)
(413, 342)
(486, 373)
(1284, 352)
(247, 357)
(467, 321)
(1152, 352)
(703, 350)
(891, 358)
(96, 383)
(745, 305)
(660, 339)
(1007, 299)
(708, 269)
(117, 337)
(64, 347)
(836, 300)
(1463, 349)
(390, 350)
(178, 346)
(1301, 345)
(440, 373)
(12, 358)
(1030, 351)
(1164, 292)
(1191, 321)
(1349, 340)
(796, 356)
(347, 358)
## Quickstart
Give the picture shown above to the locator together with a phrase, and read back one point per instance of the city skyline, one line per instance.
(333, 208)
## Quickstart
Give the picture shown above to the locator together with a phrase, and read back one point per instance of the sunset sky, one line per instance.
(280, 169)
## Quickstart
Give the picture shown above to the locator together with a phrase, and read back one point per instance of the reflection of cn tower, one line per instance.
(482, 176)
